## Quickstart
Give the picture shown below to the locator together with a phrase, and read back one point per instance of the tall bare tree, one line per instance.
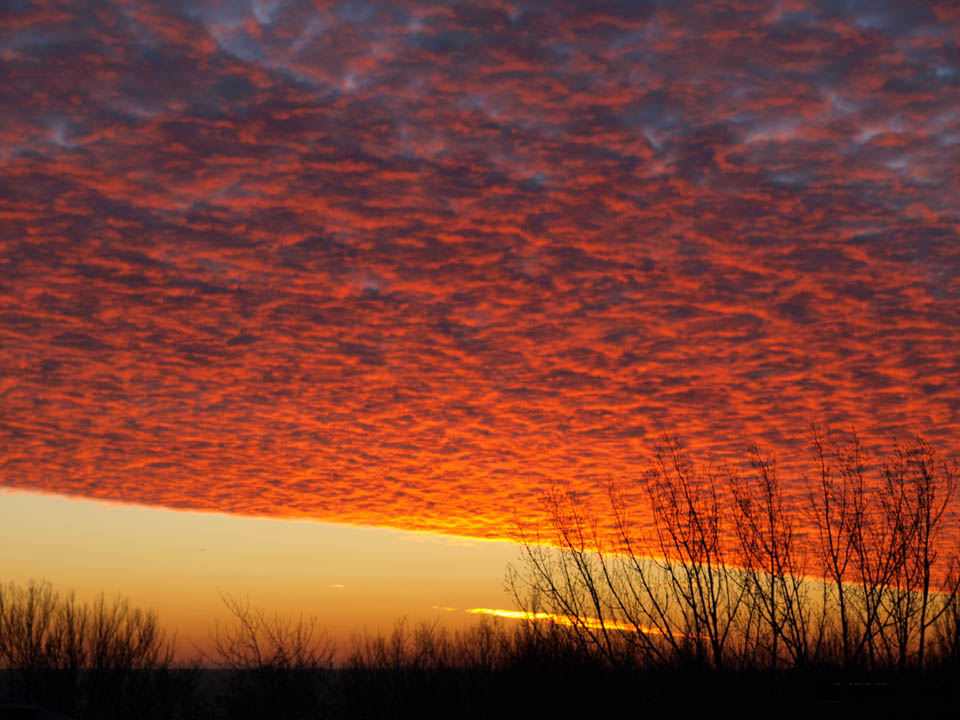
(917, 493)
(712, 568)
(688, 507)
(566, 574)
(836, 504)
(774, 564)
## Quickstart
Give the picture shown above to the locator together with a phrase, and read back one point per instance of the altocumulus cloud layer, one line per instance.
(401, 263)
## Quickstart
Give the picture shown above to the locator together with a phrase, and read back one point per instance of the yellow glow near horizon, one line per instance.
(351, 578)
(567, 620)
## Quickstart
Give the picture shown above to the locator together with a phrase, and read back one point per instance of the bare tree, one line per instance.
(715, 571)
(643, 592)
(567, 575)
(774, 564)
(837, 506)
(666, 596)
(688, 508)
(947, 634)
(916, 495)
(96, 659)
(277, 664)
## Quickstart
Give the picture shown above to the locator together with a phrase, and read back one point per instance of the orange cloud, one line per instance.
(403, 265)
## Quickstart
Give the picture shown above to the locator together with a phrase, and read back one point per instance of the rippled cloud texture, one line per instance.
(401, 263)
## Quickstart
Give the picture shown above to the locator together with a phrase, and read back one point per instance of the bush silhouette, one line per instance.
(277, 666)
(103, 659)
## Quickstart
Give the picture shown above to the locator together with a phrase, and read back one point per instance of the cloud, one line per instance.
(403, 263)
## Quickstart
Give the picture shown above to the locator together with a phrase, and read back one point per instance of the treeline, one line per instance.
(106, 660)
(100, 659)
(855, 569)
(714, 586)
(274, 668)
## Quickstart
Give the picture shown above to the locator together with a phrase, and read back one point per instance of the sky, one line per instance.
(185, 566)
(403, 265)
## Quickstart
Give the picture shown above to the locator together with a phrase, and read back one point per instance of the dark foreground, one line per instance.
(533, 687)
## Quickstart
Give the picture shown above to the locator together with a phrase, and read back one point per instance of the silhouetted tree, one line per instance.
(688, 509)
(774, 566)
(673, 588)
(916, 494)
(884, 546)
(715, 572)
(96, 660)
(574, 585)
(278, 665)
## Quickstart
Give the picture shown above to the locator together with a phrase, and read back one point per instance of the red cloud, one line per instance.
(401, 265)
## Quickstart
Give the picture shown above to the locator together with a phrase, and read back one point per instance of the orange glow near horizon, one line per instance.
(181, 564)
